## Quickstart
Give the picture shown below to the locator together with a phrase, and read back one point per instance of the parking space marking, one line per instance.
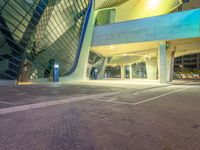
(156, 97)
(53, 103)
(94, 97)
(147, 100)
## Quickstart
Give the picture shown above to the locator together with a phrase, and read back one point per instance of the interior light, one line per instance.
(111, 47)
(124, 54)
(153, 4)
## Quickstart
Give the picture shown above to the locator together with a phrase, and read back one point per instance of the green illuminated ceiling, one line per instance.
(108, 3)
(135, 9)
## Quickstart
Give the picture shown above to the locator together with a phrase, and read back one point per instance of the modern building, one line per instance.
(135, 38)
(187, 67)
(187, 63)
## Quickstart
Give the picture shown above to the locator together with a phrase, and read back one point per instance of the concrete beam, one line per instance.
(181, 25)
(185, 44)
(186, 52)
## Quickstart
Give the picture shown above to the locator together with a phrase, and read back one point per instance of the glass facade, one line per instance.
(187, 63)
(113, 72)
(139, 70)
(35, 34)
(187, 67)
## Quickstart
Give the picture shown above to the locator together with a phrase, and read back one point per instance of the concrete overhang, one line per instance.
(125, 60)
(144, 34)
(125, 49)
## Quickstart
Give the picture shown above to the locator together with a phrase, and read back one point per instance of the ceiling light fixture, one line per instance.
(152, 4)
(111, 47)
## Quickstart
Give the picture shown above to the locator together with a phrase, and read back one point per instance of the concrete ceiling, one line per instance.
(120, 60)
(124, 54)
(137, 52)
(144, 48)
(121, 49)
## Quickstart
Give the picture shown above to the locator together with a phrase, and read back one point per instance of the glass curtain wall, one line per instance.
(38, 33)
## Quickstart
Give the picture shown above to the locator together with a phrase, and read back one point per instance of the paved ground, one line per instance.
(30, 94)
(139, 117)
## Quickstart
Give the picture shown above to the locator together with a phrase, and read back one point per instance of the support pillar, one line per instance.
(162, 53)
(130, 71)
(122, 72)
(80, 73)
(151, 68)
(102, 72)
(170, 66)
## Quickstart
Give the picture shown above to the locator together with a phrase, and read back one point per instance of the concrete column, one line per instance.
(162, 53)
(122, 72)
(170, 66)
(151, 68)
(102, 72)
(130, 71)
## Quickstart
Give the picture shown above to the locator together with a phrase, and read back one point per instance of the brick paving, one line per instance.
(170, 122)
(29, 94)
(20, 95)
